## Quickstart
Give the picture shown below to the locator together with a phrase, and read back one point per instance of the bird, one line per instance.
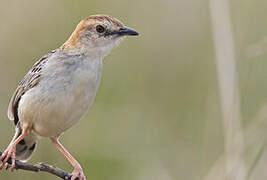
(60, 88)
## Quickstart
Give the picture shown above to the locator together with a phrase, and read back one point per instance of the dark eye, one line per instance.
(100, 29)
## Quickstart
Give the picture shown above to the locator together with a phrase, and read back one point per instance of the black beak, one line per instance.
(124, 31)
(127, 31)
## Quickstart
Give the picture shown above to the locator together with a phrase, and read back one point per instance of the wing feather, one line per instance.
(30, 80)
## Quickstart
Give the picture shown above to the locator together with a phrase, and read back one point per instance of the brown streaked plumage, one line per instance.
(30, 80)
(60, 88)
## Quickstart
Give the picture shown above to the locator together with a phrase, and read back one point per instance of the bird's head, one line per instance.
(97, 34)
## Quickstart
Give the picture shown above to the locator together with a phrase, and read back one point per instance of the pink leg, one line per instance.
(77, 172)
(10, 152)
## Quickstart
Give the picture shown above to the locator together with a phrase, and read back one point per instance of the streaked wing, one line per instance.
(30, 80)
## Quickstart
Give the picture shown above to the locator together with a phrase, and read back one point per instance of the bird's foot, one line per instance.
(10, 152)
(78, 173)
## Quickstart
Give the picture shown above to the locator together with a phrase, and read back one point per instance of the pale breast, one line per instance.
(66, 91)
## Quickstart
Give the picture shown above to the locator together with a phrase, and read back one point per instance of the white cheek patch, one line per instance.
(109, 44)
(118, 40)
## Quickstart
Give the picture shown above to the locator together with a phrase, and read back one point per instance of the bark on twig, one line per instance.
(42, 167)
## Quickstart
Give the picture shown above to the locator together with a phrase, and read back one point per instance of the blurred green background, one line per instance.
(157, 114)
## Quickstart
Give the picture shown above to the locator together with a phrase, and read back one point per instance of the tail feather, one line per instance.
(26, 146)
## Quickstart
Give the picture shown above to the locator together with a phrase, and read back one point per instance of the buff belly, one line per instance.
(48, 115)
(58, 102)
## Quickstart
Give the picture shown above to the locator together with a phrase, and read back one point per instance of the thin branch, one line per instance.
(42, 167)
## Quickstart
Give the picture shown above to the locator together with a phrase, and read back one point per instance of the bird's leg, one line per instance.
(10, 152)
(77, 172)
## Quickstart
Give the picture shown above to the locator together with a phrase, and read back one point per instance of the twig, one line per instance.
(42, 167)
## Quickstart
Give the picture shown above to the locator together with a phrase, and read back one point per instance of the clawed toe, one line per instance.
(9, 153)
(2, 158)
(78, 173)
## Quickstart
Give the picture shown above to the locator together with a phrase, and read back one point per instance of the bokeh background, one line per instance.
(158, 113)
